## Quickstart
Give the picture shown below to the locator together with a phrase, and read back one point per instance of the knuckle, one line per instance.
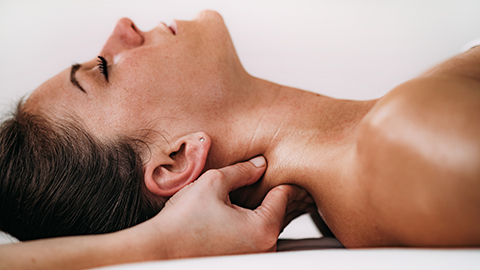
(214, 175)
(282, 189)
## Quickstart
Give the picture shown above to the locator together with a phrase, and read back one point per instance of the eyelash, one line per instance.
(102, 65)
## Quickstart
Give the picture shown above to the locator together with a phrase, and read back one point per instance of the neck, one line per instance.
(305, 137)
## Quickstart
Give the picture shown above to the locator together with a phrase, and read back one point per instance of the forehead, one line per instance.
(45, 98)
(59, 100)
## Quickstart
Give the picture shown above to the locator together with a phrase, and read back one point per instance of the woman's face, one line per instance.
(170, 76)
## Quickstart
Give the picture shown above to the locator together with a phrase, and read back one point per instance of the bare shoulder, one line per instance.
(448, 106)
(441, 111)
(418, 162)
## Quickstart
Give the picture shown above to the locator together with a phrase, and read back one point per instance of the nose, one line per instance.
(125, 36)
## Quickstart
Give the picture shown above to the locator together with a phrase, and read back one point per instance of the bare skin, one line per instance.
(403, 170)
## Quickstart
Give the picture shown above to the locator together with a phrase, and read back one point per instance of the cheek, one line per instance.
(111, 114)
(148, 71)
(146, 78)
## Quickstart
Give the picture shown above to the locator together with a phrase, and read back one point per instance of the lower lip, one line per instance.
(173, 30)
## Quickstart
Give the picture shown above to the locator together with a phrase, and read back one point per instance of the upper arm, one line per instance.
(466, 64)
(418, 157)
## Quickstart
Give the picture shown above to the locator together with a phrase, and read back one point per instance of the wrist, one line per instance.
(143, 242)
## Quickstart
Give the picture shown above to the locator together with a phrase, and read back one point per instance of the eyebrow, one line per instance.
(73, 79)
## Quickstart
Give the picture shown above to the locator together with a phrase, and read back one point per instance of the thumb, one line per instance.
(243, 173)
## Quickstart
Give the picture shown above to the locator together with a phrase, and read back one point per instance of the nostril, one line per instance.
(128, 33)
(125, 36)
(134, 27)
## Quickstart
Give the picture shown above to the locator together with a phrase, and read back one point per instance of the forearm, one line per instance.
(77, 252)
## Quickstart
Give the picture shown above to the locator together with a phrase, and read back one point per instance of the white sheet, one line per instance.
(327, 259)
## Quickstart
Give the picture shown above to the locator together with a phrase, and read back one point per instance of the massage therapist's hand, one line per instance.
(197, 221)
(200, 220)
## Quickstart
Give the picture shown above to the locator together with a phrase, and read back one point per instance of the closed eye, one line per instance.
(102, 65)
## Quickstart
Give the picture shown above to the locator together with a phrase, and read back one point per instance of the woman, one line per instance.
(162, 107)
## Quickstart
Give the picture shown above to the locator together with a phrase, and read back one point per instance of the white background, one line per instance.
(343, 48)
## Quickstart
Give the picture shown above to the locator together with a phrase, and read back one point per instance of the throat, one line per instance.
(306, 139)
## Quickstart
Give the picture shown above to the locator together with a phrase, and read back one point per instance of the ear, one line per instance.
(168, 171)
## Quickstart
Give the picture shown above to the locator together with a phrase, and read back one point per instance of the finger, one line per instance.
(301, 195)
(243, 174)
(275, 203)
(309, 199)
(299, 206)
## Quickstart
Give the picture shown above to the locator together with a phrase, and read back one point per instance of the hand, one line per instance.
(198, 221)
(201, 221)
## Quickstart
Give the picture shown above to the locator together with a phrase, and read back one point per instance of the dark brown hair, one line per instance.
(58, 180)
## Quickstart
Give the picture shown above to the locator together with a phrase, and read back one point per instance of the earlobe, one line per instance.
(169, 171)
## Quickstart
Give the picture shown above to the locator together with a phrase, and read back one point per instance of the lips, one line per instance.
(173, 27)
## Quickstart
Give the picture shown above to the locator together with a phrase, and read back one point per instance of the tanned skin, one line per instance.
(403, 170)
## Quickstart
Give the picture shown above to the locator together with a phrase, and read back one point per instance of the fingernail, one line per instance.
(258, 161)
